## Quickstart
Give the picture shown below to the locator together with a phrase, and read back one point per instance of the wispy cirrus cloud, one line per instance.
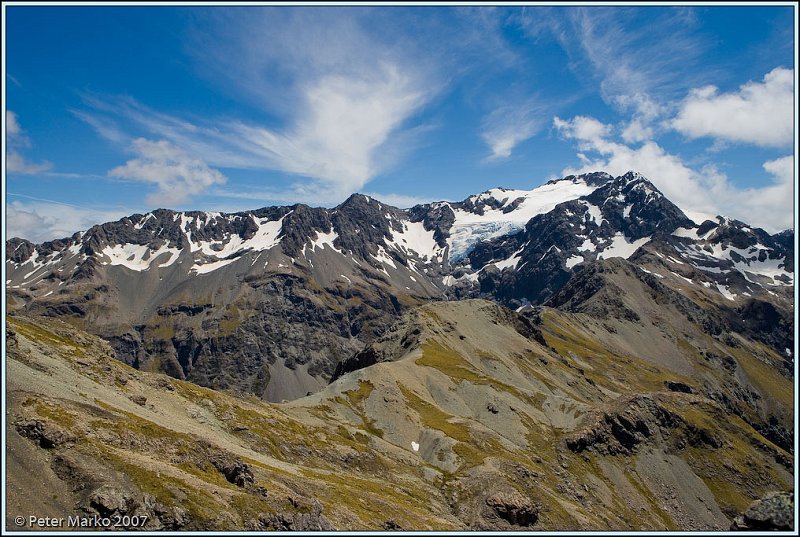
(16, 140)
(639, 67)
(759, 113)
(630, 59)
(344, 122)
(337, 100)
(509, 125)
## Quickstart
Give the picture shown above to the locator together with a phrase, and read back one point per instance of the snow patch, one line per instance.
(324, 239)
(210, 267)
(573, 260)
(621, 247)
(725, 292)
(594, 213)
(470, 228)
(415, 238)
(686, 232)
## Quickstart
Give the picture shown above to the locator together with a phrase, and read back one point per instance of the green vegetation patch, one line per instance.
(37, 333)
(766, 378)
(130, 423)
(374, 501)
(201, 506)
(468, 448)
(452, 364)
(56, 414)
(434, 418)
(623, 371)
(356, 399)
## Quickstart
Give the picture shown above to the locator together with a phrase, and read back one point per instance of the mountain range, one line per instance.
(582, 355)
(232, 301)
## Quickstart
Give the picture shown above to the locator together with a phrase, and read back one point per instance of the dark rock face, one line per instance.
(774, 512)
(438, 218)
(308, 517)
(620, 431)
(648, 211)
(637, 420)
(514, 508)
(108, 500)
(381, 350)
(589, 291)
(234, 470)
(46, 434)
(300, 522)
(675, 386)
(765, 322)
(19, 250)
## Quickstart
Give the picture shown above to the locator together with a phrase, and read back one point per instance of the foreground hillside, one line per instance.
(463, 415)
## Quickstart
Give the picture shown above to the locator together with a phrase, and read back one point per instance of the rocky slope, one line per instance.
(464, 415)
(270, 302)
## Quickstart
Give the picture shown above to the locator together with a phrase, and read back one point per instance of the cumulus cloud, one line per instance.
(700, 193)
(177, 175)
(45, 220)
(759, 113)
(15, 141)
(644, 113)
(772, 203)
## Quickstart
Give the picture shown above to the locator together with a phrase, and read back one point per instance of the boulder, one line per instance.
(775, 511)
(514, 508)
(45, 433)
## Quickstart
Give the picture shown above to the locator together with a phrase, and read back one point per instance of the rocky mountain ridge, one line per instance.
(270, 301)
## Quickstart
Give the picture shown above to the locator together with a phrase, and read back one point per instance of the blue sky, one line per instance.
(116, 110)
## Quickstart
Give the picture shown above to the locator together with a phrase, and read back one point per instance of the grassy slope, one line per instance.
(489, 409)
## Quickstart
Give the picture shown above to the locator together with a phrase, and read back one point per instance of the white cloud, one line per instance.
(645, 111)
(44, 220)
(399, 200)
(343, 132)
(636, 68)
(773, 203)
(177, 175)
(337, 97)
(104, 126)
(759, 113)
(343, 124)
(339, 87)
(583, 128)
(15, 140)
(704, 191)
(509, 125)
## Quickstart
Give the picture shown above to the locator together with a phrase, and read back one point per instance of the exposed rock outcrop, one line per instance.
(514, 508)
(774, 512)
